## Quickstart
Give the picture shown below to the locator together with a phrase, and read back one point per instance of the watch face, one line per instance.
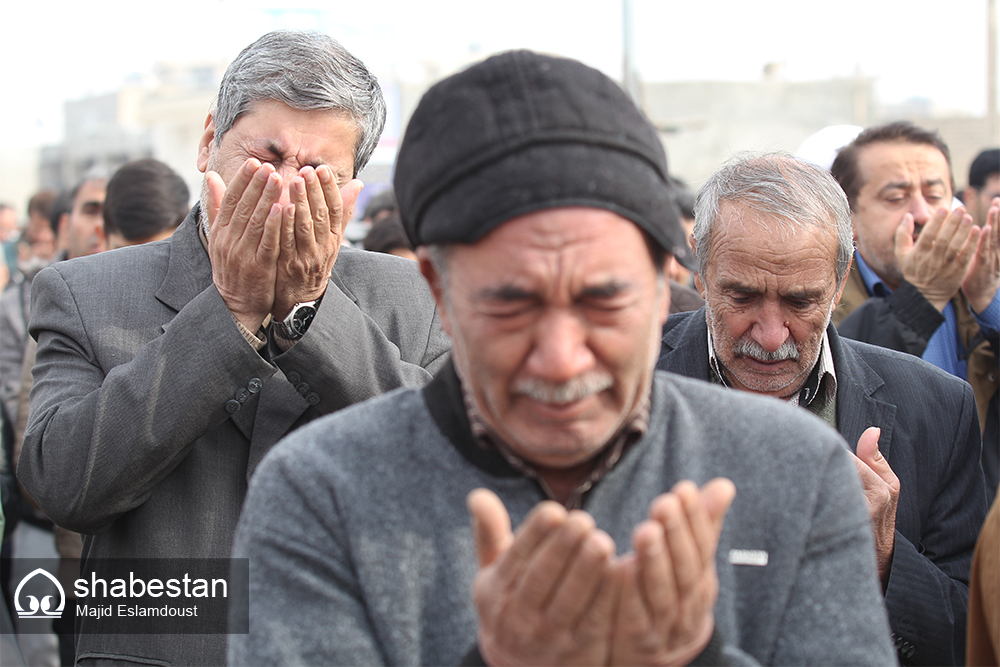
(301, 319)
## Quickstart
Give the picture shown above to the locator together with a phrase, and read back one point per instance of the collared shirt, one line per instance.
(873, 283)
(630, 432)
(818, 394)
(944, 349)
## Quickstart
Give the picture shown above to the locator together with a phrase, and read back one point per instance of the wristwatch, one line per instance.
(294, 326)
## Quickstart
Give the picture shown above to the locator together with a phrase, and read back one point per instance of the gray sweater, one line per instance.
(361, 552)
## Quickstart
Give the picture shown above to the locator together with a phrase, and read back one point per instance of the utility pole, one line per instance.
(992, 116)
(630, 77)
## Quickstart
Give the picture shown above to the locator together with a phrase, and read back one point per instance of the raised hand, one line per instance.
(312, 227)
(937, 263)
(669, 584)
(554, 594)
(546, 594)
(881, 487)
(245, 222)
(983, 278)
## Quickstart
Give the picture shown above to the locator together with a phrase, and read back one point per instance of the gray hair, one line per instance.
(796, 192)
(307, 71)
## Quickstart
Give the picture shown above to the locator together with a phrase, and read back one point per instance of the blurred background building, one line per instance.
(161, 114)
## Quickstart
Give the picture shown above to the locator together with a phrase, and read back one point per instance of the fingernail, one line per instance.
(324, 173)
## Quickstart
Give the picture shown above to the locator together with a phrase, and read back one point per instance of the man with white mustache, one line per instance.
(773, 240)
(604, 525)
(574, 389)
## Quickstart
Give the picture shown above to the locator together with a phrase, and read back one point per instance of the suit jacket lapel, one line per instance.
(857, 387)
(685, 345)
(340, 284)
(189, 271)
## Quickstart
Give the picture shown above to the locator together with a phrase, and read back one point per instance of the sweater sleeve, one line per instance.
(834, 611)
(306, 605)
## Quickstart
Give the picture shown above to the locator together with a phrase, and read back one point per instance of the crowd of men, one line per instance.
(518, 449)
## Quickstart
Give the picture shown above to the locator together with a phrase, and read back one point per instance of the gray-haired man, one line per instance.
(773, 239)
(165, 372)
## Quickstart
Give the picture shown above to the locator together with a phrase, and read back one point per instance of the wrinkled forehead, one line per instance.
(568, 240)
(564, 228)
(750, 222)
(747, 238)
(902, 161)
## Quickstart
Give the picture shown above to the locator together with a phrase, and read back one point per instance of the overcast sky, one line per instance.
(53, 51)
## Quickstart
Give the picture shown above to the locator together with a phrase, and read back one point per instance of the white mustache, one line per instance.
(748, 347)
(572, 390)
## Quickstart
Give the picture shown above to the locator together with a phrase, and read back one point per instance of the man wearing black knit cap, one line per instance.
(537, 195)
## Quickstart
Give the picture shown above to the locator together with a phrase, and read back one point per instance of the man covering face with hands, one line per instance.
(278, 191)
(618, 516)
(166, 371)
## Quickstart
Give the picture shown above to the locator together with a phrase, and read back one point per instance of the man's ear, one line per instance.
(698, 284)
(843, 283)
(433, 279)
(62, 234)
(972, 195)
(349, 194)
(668, 265)
(205, 146)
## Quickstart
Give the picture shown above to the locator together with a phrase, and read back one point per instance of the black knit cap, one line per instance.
(520, 132)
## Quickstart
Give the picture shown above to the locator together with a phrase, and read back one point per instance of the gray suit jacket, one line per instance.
(930, 437)
(150, 411)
